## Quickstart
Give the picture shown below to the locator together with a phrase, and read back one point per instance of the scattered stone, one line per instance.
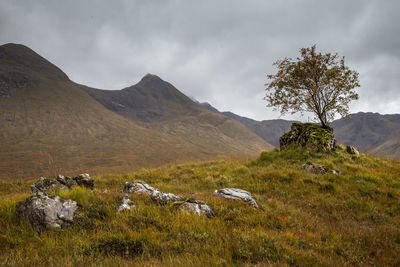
(237, 194)
(196, 207)
(84, 180)
(126, 205)
(352, 150)
(62, 182)
(156, 195)
(314, 168)
(44, 184)
(309, 135)
(46, 211)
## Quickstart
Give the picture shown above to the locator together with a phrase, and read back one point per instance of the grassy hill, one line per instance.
(49, 125)
(306, 220)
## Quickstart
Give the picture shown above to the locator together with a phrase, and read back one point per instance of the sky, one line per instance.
(216, 51)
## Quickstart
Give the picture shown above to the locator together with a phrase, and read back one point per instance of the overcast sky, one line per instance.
(217, 51)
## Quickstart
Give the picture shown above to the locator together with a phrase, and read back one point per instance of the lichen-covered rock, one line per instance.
(126, 205)
(314, 168)
(311, 136)
(352, 150)
(62, 182)
(196, 207)
(236, 194)
(46, 184)
(67, 181)
(84, 180)
(46, 211)
(155, 194)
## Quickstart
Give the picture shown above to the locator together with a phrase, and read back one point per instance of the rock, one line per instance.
(67, 181)
(126, 205)
(318, 169)
(155, 194)
(196, 207)
(237, 194)
(352, 150)
(45, 184)
(84, 180)
(312, 136)
(46, 211)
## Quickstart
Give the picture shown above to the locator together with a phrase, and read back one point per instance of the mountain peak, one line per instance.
(20, 57)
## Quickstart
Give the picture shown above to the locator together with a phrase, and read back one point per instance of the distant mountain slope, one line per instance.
(158, 105)
(366, 130)
(49, 125)
(269, 130)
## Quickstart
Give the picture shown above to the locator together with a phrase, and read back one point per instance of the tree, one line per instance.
(314, 82)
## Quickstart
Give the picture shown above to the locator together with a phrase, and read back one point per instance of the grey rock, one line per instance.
(45, 211)
(196, 207)
(45, 184)
(67, 181)
(352, 150)
(126, 205)
(84, 180)
(237, 194)
(156, 195)
(314, 168)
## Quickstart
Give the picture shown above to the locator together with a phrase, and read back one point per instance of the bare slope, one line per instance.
(156, 104)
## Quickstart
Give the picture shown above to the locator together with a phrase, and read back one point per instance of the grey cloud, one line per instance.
(216, 51)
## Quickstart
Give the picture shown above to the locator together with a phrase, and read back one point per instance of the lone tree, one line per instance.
(314, 82)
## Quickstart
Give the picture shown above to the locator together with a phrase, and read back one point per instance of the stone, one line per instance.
(196, 207)
(156, 195)
(67, 181)
(45, 184)
(45, 211)
(127, 204)
(352, 150)
(236, 194)
(314, 168)
(309, 135)
(84, 180)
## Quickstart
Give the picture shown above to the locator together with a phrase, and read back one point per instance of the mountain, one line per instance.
(269, 130)
(50, 125)
(158, 105)
(371, 132)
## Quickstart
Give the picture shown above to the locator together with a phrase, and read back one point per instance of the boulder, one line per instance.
(309, 135)
(126, 205)
(67, 181)
(155, 194)
(196, 207)
(237, 194)
(84, 180)
(314, 168)
(45, 211)
(352, 150)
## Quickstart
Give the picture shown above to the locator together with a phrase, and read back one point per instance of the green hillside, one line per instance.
(352, 219)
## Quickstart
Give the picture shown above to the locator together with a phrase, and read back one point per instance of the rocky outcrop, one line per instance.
(155, 194)
(352, 150)
(127, 204)
(311, 136)
(62, 182)
(45, 211)
(196, 207)
(314, 168)
(236, 194)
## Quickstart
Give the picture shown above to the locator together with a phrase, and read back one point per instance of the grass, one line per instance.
(305, 220)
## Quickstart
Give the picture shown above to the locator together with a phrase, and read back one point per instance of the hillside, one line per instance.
(305, 219)
(158, 105)
(50, 125)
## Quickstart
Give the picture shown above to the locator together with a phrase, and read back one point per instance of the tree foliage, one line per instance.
(314, 82)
